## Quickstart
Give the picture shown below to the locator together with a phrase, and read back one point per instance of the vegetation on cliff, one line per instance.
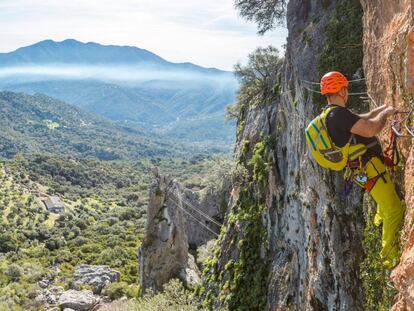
(259, 83)
(241, 282)
(343, 49)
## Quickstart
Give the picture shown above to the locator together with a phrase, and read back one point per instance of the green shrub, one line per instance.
(121, 289)
(174, 298)
(14, 272)
(205, 251)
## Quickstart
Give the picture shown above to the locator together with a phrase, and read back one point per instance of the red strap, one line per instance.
(391, 154)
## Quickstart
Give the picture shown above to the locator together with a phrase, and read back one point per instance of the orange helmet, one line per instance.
(332, 82)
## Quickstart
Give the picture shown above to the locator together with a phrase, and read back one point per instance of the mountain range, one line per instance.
(127, 84)
(71, 51)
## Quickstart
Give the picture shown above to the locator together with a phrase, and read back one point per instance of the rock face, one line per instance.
(164, 251)
(211, 203)
(97, 277)
(292, 241)
(389, 68)
(78, 300)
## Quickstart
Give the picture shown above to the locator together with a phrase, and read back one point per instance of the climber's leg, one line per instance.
(389, 212)
(377, 219)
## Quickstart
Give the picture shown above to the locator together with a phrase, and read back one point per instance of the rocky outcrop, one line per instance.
(389, 68)
(78, 300)
(97, 277)
(164, 251)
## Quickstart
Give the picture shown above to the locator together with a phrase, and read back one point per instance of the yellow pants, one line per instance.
(389, 211)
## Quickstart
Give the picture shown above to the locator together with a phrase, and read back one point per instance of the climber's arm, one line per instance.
(371, 127)
(373, 113)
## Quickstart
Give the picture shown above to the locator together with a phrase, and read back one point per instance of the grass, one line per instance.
(51, 125)
(50, 221)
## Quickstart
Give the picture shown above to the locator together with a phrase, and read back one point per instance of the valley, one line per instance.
(102, 223)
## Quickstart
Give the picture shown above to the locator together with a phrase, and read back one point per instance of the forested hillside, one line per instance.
(40, 124)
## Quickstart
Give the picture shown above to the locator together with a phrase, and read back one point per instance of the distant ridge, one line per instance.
(71, 51)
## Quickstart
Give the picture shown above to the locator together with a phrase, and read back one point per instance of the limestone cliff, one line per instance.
(389, 68)
(292, 241)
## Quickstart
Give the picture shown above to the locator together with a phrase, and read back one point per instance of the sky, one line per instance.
(205, 32)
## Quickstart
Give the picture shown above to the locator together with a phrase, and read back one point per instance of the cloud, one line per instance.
(209, 33)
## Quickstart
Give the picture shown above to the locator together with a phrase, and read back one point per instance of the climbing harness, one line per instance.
(362, 178)
(355, 172)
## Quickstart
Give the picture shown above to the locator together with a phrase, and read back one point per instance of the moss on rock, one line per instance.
(244, 277)
(343, 49)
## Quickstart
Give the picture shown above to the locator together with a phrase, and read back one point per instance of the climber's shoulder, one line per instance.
(339, 122)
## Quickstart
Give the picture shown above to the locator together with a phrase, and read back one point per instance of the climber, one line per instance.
(368, 171)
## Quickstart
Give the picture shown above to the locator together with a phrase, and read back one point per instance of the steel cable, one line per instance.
(180, 199)
(195, 218)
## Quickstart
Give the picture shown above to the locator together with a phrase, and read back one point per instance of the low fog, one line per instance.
(127, 74)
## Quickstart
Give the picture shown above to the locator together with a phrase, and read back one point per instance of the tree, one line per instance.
(265, 13)
(7, 242)
(259, 78)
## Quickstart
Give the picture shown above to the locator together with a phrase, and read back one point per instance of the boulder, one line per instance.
(46, 297)
(97, 277)
(57, 290)
(43, 283)
(78, 300)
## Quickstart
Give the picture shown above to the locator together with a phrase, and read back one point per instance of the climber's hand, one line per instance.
(390, 111)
